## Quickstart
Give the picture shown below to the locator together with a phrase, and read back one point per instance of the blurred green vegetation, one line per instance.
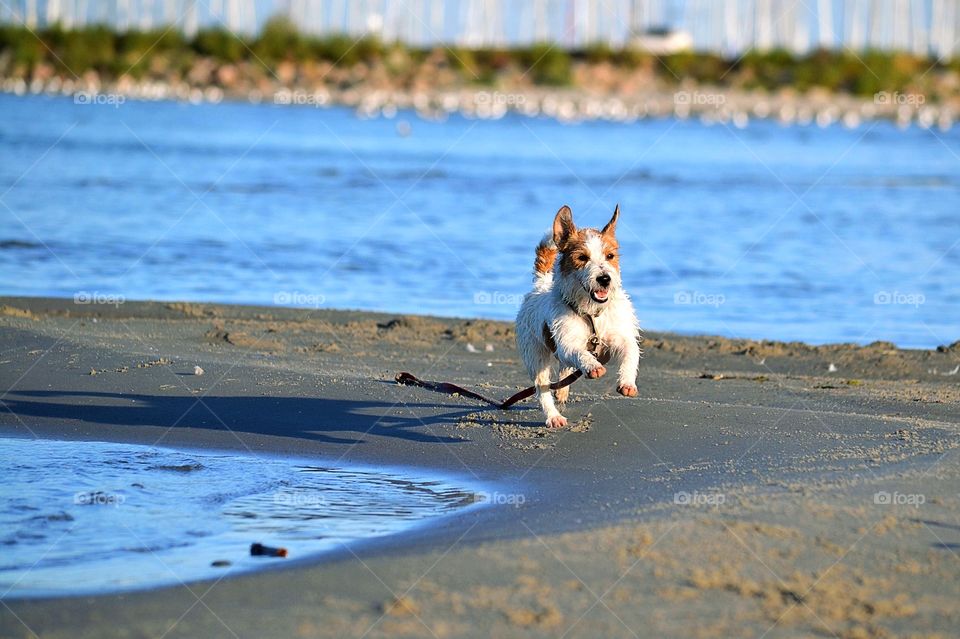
(139, 53)
(546, 64)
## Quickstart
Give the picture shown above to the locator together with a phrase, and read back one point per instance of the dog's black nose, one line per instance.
(603, 280)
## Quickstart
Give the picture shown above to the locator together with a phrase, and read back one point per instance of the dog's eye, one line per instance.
(609, 256)
(583, 258)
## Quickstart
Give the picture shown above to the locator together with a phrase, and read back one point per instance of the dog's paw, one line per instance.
(627, 390)
(597, 372)
(557, 421)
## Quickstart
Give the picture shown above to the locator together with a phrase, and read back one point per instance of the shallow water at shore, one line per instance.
(87, 517)
(797, 233)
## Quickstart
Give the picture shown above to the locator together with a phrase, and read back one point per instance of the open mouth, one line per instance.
(600, 295)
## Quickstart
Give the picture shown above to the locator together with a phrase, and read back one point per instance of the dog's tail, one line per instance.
(543, 264)
(546, 256)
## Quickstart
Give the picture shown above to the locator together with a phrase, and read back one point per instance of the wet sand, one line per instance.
(736, 496)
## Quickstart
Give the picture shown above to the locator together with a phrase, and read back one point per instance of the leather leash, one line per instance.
(594, 346)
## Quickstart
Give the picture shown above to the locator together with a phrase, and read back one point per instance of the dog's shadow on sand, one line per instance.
(327, 420)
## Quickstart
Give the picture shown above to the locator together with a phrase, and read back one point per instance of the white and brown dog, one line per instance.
(578, 313)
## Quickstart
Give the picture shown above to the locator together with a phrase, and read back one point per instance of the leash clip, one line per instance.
(595, 345)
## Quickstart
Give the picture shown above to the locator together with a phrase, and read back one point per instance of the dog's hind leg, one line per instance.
(545, 395)
(564, 393)
(537, 356)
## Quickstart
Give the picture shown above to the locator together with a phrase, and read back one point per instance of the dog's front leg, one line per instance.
(572, 352)
(628, 353)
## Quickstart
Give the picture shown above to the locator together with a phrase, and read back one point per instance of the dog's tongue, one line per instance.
(600, 294)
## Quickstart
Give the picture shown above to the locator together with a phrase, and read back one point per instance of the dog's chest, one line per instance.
(611, 328)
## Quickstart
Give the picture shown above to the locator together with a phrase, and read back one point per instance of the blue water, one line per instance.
(86, 517)
(797, 233)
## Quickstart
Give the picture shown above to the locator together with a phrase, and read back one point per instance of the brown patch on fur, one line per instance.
(610, 246)
(574, 250)
(546, 256)
(572, 241)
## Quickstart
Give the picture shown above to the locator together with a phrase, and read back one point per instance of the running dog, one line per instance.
(577, 313)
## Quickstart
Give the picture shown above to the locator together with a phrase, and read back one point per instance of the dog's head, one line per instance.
(589, 261)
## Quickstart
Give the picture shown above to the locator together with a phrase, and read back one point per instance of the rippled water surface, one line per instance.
(792, 233)
(78, 517)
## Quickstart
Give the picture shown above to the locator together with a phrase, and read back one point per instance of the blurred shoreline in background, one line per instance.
(283, 65)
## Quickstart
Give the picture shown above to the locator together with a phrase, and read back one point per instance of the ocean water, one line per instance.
(90, 517)
(796, 233)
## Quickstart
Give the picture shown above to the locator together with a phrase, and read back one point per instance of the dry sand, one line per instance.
(736, 496)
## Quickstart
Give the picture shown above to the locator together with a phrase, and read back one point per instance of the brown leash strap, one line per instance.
(452, 389)
(593, 345)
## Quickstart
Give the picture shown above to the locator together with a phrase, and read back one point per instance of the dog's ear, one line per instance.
(611, 228)
(563, 227)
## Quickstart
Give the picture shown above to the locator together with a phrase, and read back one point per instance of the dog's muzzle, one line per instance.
(600, 295)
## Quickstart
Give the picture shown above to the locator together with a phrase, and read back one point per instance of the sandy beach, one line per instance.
(753, 489)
